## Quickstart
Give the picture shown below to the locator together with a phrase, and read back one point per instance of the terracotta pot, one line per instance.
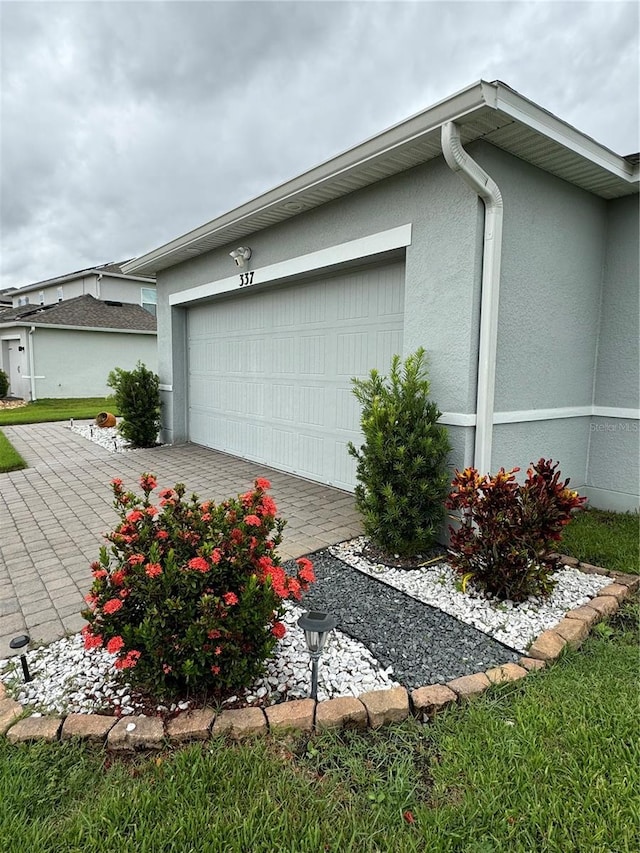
(105, 419)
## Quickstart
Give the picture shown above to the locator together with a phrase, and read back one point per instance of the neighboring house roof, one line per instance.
(82, 312)
(490, 111)
(111, 269)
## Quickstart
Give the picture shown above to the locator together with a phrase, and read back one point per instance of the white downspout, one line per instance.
(459, 161)
(32, 366)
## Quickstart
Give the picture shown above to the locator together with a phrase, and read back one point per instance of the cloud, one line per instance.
(126, 124)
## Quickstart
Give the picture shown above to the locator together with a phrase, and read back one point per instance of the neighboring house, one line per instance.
(485, 229)
(6, 296)
(67, 349)
(106, 282)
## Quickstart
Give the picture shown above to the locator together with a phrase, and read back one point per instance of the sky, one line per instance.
(126, 124)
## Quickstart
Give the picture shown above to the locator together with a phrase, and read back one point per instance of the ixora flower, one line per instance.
(112, 606)
(148, 483)
(115, 644)
(128, 661)
(189, 594)
(91, 640)
(199, 564)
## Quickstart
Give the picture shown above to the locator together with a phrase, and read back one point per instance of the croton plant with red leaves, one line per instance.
(504, 544)
(189, 594)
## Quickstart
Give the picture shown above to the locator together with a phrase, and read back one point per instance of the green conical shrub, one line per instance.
(137, 396)
(402, 466)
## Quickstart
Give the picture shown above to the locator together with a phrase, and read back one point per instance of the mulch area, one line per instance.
(12, 403)
(374, 554)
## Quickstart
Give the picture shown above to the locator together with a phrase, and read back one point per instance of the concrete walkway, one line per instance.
(53, 515)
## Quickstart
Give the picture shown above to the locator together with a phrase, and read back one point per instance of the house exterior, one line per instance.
(68, 348)
(105, 282)
(485, 229)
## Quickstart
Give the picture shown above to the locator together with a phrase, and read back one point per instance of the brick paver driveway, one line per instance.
(53, 515)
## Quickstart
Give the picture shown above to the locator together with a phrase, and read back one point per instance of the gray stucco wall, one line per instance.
(613, 475)
(553, 254)
(70, 289)
(441, 284)
(618, 364)
(564, 440)
(77, 363)
(614, 463)
(121, 290)
(568, 328)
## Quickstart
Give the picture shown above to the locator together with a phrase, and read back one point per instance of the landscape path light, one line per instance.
(316, 626)
(19, 643)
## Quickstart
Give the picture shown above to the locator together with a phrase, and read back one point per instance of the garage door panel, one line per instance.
(343, 465)
(352, 354)
(347, 411)
(311, 405)
(282, 401)
(270, 371)
(388, 342)
(311, 306)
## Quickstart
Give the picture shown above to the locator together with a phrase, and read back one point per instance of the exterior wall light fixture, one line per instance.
(240, 255)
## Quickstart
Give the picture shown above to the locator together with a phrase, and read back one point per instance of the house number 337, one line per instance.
(246, 278)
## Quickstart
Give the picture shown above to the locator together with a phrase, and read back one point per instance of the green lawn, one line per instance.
(10, 459)
(609, 539)
(550, 764)
(56, 410)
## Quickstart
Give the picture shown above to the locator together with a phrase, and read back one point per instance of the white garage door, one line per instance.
(270, 371)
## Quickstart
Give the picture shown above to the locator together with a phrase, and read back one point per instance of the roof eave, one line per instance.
(61, 279)
(481, 95)
(456, 106)
(68, 327)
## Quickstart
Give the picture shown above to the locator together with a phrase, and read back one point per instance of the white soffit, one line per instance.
(489, 111)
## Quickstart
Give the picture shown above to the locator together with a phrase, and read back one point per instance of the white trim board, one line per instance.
(567, 412)
(374, 244)
(529, 415)
(457, 419)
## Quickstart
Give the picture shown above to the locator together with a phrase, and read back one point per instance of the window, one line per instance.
(23, 300)
(41, 297)
(59, 294)
(148, 299)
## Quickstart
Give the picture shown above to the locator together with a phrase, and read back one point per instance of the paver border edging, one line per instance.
(370, 710)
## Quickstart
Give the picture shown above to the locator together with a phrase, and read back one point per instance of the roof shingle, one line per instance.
(83, 312)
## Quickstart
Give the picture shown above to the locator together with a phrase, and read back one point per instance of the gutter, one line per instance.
(32, 366)
(82, 328)
(459, 161)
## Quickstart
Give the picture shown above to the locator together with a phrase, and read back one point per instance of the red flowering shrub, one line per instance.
(506, 537)
(190, 594)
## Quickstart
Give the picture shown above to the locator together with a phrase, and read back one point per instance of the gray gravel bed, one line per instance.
(422, 644)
